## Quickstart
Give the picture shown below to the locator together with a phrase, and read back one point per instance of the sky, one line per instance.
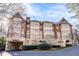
(53, 12)
(46, 11)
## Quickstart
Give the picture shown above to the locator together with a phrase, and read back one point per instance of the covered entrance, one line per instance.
(16, 46)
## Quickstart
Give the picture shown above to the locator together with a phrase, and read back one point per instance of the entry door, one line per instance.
(17, 45)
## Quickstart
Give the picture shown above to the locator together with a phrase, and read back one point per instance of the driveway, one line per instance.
(70, 51)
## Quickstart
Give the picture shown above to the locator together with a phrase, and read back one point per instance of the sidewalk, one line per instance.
(4, 53)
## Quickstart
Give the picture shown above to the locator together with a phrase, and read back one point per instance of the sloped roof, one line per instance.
(64, 21)
(18, 15)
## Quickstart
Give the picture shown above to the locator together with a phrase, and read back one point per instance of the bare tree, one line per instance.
(73, 8)
(10, 8)
(7, 10)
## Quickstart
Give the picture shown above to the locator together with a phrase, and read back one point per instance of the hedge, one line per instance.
(44, 46)
(68, 45)
(29, 47)
(56, 46)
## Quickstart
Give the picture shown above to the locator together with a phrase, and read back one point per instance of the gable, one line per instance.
(64, 21)
(18, 17)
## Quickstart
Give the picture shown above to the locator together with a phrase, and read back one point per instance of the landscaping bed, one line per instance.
(42, 47)
(29, 47)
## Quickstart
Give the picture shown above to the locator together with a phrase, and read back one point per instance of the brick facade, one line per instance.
(30, 32)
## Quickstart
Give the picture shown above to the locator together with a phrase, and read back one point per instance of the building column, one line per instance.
(76, 40)
(6, 47)
(71, 33)
(42, 30)
(63, 42)
(55, 32)
(25, 33)
(60, 32)
(27, 30)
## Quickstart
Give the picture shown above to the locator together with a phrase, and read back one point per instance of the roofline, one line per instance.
(16, 16)
(63, 23)
(56, 23)
(42, 21)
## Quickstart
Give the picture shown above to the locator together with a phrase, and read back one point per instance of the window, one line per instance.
(34, 30)
(16, 35)
(47, 25)
(34, 24)
(48, 36)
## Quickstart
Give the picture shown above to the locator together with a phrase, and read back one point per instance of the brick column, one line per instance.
(55, 32)
(71, 32)
(77, 42)
(76, 34)
(25, 29)
(60, 32)
(28, 24)
(42, 30)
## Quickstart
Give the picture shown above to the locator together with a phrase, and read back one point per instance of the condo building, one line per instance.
(30, 32)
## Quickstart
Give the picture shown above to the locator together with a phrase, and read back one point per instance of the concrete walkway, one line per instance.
(4, 53)
(70, 51)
